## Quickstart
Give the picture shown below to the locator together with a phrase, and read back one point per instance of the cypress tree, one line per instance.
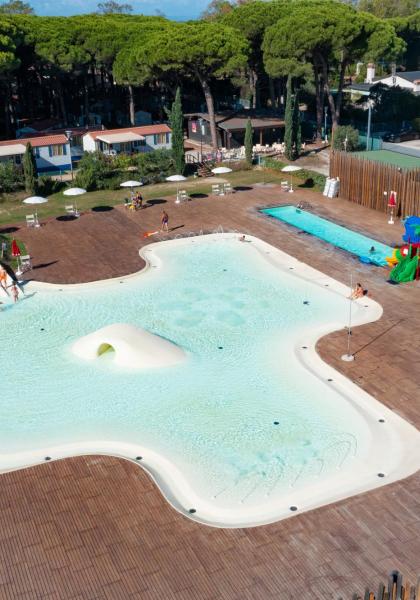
(296, 129)
(30, 170)
(288, 118)
(175, 120)
(248, 142)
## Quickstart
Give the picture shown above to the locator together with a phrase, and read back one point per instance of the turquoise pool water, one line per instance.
(344, 238)
(242, 419)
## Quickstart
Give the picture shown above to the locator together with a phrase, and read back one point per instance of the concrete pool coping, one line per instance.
(171, 480)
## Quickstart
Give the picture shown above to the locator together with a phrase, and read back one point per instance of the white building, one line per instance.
(128, 139)
(52, 152)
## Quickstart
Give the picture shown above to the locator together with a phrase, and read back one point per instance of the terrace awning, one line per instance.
(119, 138)
(12, 150)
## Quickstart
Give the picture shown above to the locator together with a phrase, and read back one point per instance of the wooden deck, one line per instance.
(97, 528)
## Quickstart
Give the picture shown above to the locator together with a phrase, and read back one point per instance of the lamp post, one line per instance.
(369, 124)
(69, 134)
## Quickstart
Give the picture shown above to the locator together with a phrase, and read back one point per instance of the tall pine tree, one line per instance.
(297, 131)
(248, 142)
(176, 123)
(29, 170)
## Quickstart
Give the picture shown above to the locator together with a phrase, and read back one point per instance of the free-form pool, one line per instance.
(344, 238)
(251, 426)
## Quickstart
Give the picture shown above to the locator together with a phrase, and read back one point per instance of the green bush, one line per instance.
(48, 186)
(154, 167)
(339, 139)
(416, 123)
(94, 169)
(310, 179)
(11, 177)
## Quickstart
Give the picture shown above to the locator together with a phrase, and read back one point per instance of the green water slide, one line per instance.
(405, 270)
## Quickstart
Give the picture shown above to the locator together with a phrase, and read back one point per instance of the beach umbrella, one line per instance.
(176, 179)
(392, 203)
(291, 169)
(16, 254)
(35, 200)
(131, 183)
(221, 170)
(74, 191)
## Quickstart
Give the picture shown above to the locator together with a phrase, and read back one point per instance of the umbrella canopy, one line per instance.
(74, 192)
(176, 178)
(221, 170)
(131, 183)
(35, 200)
(392, 199)
(15, 249)
(291, 169)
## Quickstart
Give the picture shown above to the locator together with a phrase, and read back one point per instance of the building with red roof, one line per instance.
(128, 140)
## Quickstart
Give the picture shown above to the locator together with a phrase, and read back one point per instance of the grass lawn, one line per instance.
(391, 158)
(12, 210)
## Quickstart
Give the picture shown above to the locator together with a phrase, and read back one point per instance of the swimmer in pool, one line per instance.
(372, 250)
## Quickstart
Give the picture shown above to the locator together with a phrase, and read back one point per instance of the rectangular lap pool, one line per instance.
(343, 238)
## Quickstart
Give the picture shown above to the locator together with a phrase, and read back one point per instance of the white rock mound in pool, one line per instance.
(134, 347)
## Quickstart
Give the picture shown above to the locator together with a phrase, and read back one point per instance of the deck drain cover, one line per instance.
(276, 422)
(304, 347)
(48, 458)
(293, 508)
(192, 511)
(139, 458)
(329, 380)
(381, 420)
(381, 474)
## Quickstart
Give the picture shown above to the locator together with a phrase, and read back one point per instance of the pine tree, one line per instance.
(288, 118)
(176, 123)
(30, 170)
(248, 142)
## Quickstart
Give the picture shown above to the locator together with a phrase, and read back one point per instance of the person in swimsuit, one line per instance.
(15, 292)
(164, 221)
(358, 292)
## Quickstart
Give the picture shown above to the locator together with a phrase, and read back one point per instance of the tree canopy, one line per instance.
(16, 7)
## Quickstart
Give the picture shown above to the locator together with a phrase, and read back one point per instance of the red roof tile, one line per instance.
(144, 130)
(44, 140)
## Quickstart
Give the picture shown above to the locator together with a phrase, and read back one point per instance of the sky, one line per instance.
(173, 9)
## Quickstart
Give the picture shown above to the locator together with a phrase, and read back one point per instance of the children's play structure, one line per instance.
(405, 259)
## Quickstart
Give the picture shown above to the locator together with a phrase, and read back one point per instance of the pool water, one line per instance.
(343, 238)
(242, 420)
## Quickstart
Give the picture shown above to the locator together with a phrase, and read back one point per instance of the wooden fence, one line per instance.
(365, 181)
(394, 589)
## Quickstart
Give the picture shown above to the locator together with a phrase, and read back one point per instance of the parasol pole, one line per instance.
(349, 357)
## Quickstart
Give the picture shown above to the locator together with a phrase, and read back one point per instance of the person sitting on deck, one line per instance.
(357, 292)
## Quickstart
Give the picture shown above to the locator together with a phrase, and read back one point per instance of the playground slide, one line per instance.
(405, 270)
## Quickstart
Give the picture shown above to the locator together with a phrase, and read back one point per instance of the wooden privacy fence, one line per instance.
(395, 589)
(365, 181)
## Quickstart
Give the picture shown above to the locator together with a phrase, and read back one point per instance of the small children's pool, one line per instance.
(326, 230)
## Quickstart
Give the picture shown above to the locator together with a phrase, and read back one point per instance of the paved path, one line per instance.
(97, 528)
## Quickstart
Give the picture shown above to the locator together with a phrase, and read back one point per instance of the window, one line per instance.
(161, 138)
(36, 150)
(57, 150)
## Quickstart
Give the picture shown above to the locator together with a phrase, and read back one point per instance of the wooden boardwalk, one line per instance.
(97, 528)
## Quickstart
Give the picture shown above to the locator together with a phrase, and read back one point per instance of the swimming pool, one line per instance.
(343, 238)
(251, 428)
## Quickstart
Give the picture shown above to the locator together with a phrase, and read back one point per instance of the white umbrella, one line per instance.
(221, 170)
(176, 179)
(74, 192)
(35, 200)
(291, 169)
(131, 183)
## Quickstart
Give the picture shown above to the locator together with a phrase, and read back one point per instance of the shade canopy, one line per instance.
(120, 138)
(176, 178)
(131, 183)
(291, 169)
(35, 200)
(15, 249)
(221, 170)
(74, 191)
